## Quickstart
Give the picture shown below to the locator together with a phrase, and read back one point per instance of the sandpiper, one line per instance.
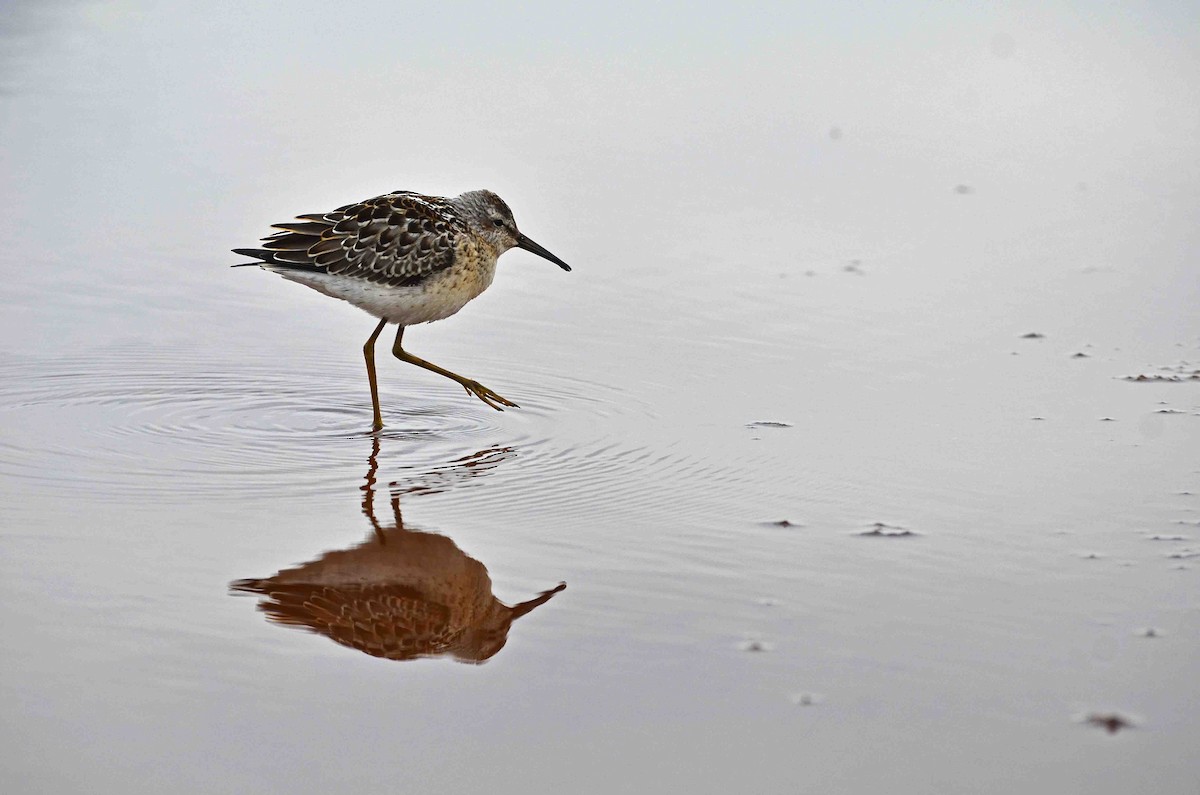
(405, 258)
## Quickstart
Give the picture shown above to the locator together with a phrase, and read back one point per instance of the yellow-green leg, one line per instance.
(473, 387)
(369, 354)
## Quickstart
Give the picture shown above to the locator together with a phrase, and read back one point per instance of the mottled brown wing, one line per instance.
(394, 240)
(395, 622)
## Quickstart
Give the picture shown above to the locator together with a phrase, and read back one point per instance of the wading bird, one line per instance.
(405, 258)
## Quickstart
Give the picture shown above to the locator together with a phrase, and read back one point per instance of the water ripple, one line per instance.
(137, 420)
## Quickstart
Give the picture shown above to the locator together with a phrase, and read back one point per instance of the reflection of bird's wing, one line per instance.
(391, 621)
(395, 240)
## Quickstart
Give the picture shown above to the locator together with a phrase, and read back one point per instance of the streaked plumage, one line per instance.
(397, 240)
(404, 257)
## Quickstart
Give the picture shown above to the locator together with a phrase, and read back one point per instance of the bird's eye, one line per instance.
(498, 223)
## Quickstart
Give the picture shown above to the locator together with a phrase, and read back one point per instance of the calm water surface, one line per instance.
(828, 518)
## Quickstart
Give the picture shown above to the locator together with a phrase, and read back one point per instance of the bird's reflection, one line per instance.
(401, 594)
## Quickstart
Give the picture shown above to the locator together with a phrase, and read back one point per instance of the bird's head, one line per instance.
(489, 217)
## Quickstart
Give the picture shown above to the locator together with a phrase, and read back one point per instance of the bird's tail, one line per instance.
(268, 258)
(261, 255)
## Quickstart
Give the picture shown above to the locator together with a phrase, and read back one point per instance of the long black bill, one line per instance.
(529, 245)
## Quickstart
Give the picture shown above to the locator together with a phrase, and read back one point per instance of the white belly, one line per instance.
(439, 296)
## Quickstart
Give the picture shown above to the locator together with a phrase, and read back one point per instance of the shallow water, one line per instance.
(827, 516)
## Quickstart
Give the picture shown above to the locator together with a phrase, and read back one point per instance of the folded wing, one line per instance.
(397, 239)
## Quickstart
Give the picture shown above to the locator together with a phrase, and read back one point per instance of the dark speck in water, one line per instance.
(768, 424)
(783, 523)
(1111, 722)
(1079, 355)
(756, 646)
(1038, 419)
(881, 530)
(1149, 632)
(1107, 419)
(963, 190)
(1033, 335)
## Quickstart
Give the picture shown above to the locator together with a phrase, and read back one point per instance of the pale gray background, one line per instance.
(764, 213)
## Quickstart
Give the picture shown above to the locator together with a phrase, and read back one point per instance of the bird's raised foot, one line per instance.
(498, 402)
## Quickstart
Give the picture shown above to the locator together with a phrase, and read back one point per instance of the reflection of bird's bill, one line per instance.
(529, 245)
(537, 601)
